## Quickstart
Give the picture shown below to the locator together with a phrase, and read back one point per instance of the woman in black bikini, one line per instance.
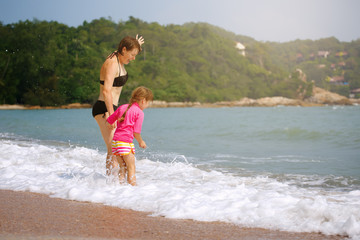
(113, 77)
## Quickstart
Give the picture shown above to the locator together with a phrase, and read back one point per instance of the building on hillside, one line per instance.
(341, 54)
(241, 48)
(323, 54)
(342, 64)
(339, 65)
(299, 57)
(338, 80)
(354, 93)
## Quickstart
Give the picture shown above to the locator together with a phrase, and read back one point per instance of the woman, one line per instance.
(113, 77)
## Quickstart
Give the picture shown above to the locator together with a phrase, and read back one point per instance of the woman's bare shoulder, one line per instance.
(109, 65)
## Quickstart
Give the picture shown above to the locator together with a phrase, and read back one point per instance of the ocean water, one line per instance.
(284, 168)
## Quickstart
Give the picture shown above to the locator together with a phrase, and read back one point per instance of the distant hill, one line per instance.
(50, 64)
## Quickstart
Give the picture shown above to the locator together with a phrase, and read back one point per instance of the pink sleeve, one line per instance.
(113, 117)
(138, 123)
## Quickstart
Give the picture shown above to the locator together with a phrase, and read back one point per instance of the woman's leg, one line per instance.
(130, 164)
(107, 135)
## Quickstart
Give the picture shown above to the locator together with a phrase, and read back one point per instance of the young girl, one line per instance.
(129, 121)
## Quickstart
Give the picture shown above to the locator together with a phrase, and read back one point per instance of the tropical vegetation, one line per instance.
(50, 64)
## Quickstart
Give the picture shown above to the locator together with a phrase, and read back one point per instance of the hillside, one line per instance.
(51, 64)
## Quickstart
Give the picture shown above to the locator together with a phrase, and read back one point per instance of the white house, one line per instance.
(241, 48)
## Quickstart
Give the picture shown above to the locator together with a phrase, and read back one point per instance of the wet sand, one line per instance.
(25, 215)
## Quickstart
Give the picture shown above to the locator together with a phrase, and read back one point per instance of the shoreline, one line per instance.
(28, 107)
(26, 215)
(319, 97)
(245, 102)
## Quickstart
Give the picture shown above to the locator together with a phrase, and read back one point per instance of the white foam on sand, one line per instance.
(178, 189)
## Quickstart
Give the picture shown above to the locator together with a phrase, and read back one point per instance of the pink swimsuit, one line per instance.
(124, 133)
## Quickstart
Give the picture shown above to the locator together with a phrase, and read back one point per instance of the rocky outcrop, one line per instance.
(164, 104)
(68, 106)
(76, 106)
(276, 101)
(321, 96)
(261, 102)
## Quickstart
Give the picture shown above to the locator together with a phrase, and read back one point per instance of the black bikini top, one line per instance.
(118, 81)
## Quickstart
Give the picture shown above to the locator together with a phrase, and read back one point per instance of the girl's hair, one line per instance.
(137, 95)
(129, 43)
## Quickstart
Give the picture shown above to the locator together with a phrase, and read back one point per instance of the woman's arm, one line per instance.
(109, 73)
(111, 120)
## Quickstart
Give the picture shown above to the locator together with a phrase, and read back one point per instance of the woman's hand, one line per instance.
(140, 39)
(110, 126)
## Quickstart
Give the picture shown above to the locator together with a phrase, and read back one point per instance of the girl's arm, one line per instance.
(112, 119)
(138, 138)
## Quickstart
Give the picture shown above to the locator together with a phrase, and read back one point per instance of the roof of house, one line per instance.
(337, 79)
(355, 90)
(240, 46)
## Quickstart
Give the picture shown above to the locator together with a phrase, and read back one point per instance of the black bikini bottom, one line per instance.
(100, 108)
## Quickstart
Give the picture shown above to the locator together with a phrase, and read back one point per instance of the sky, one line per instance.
(263, 20)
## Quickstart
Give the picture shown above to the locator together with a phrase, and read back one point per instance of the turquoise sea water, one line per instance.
(286, 161)
(318, 140)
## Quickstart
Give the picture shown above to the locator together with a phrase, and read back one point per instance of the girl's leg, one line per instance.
(130, 164)
(107, 135)
(122, 169)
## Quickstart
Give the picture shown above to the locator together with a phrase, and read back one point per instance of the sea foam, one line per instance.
(178, 189)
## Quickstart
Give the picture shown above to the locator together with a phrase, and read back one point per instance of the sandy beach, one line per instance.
(25, 215)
